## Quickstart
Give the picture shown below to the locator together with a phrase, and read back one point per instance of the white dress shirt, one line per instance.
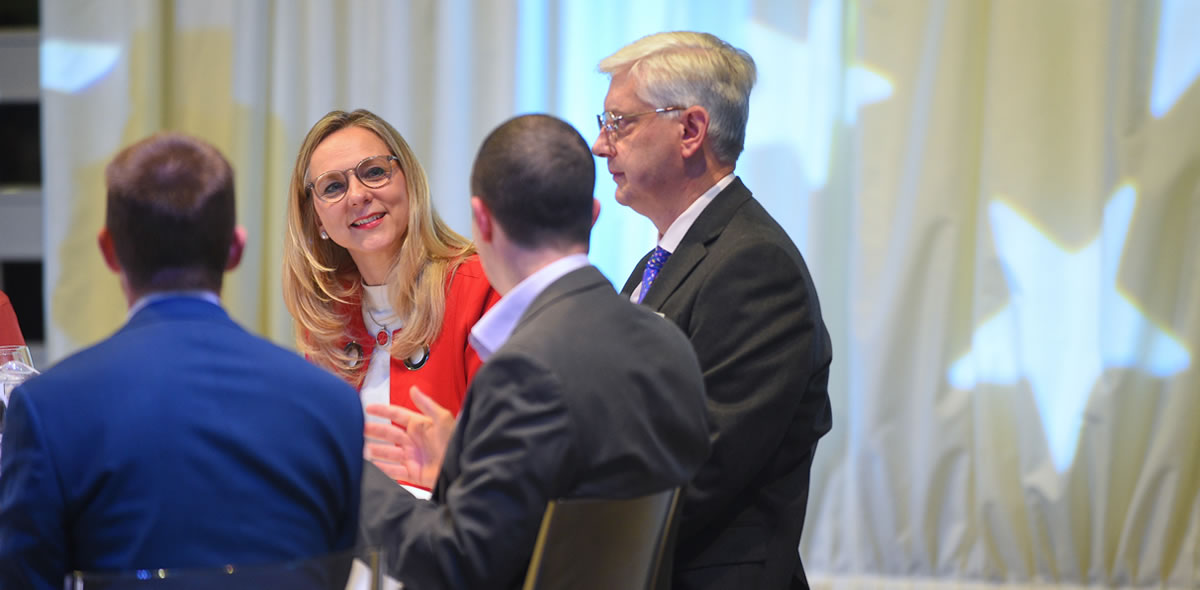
(669, 241)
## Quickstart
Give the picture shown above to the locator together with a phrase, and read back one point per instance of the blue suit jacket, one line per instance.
(180, 441)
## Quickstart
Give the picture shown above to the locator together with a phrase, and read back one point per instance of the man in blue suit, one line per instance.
(181, 441)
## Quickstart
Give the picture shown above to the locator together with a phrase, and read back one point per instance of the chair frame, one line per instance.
(561, 516)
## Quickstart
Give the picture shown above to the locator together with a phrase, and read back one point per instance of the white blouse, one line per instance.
(376, 387)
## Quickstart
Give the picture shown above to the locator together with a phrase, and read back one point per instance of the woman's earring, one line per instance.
(324, 236)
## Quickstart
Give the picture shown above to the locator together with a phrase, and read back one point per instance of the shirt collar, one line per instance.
(493, 329)
(153, 298)
(377, 310)
(674, 234)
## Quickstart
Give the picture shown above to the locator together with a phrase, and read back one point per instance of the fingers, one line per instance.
(389, 459)
(377, 452)
(426, 404)
(399, 462)
(387, 434)
(393, 470)
(399, 415)
(384, 432)
(409, 444)
(419, 429)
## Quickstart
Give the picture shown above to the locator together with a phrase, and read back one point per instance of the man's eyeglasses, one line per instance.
(374, 172)
(611, 122)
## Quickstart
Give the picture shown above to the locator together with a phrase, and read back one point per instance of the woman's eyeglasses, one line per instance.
(373, 172)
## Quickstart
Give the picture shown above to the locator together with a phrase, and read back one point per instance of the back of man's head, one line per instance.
(536, 175)
(170, 213)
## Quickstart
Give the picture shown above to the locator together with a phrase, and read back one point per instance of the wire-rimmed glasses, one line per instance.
(611, 122)
(373, 172)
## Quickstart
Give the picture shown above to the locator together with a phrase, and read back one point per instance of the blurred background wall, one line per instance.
(999, 201)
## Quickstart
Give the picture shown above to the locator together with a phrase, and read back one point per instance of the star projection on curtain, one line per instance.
(1066, 323)
(1177, 54)
(808, 92)
(70, 66)
(795, 78)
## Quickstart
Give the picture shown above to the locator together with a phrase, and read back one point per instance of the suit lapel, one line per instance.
(678, 267)
(636, 277)
(694, 245)
(576, 281)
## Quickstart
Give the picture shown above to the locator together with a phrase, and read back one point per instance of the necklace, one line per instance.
(384, 336)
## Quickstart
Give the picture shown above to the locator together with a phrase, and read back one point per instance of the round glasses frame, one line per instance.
(360, 171)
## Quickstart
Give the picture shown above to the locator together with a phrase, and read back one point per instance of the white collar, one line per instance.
(493, 329)
(375, 304)
(674, 234)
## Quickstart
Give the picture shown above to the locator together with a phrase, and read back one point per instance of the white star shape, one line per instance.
(70, 66)
(1065, 323)
(788, 72)
(1177, 54)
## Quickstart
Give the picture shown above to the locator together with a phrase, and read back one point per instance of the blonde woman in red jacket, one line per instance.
(382, 292)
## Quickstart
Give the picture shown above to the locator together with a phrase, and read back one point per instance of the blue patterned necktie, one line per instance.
(657, 259)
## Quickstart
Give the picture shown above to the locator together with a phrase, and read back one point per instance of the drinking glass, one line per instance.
(15, 367)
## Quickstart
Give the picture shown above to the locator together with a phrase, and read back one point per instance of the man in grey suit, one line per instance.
(581, 394)
(726, 273)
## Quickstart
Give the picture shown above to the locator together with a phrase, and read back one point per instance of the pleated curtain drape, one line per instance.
(999, 202)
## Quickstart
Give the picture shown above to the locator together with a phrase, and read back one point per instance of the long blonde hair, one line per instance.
(320, 278)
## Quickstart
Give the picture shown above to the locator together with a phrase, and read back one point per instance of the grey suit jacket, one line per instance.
(740, 290)
(590, 397)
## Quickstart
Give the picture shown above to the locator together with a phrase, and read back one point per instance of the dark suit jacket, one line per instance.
(573, 405)
(740, 290)
(181, 441)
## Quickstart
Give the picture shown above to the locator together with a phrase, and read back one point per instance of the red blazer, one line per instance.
(451, 361)
(10, 332)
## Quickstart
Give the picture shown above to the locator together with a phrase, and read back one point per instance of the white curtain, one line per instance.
(999, 201)
(1010, 266)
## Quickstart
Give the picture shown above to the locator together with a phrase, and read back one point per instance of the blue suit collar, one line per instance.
(175, 307)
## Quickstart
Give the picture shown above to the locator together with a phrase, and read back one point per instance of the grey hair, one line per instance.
(685, 68)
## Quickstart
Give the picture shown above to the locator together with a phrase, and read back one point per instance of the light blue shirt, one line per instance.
(493, 329)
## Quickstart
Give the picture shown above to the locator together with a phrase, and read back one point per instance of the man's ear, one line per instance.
(108, 250)
(482, 218)
(595, 211)
(236, 247)
(695, 129)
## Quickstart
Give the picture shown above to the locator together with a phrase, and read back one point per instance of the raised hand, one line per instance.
(412, 446)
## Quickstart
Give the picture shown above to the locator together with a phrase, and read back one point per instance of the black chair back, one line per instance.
(587, 544)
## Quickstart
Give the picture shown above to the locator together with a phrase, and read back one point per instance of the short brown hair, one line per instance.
(537, 176)
(171, 213)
